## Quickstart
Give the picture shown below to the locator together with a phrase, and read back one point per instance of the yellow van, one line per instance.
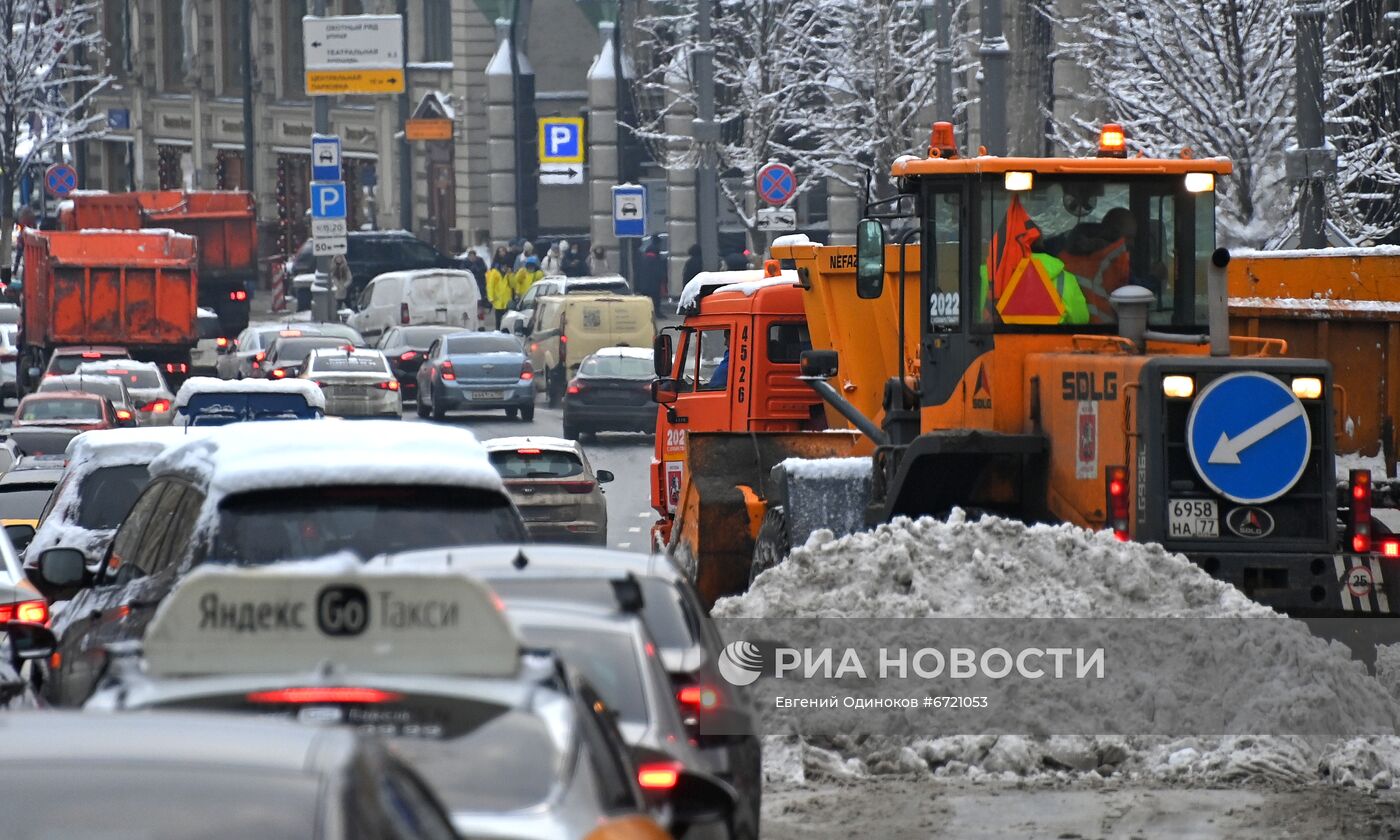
(564, 330)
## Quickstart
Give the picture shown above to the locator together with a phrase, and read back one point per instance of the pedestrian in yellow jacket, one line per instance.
(526, 277)
(498, 289)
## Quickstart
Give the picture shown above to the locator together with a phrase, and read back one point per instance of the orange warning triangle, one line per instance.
(1030, 297)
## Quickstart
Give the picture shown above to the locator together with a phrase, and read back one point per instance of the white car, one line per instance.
(427, 296)
(9, 360)
(204, 358)
(355, 383)
(150, 395)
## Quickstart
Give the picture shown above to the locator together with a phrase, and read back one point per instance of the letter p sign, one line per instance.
(328, 199)
(561, 140)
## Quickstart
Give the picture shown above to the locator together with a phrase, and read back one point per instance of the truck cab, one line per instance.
(731, 366)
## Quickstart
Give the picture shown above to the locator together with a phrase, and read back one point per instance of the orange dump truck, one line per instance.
(224, 222)
(132, 289)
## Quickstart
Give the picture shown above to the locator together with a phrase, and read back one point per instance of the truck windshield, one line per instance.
(1052, 255)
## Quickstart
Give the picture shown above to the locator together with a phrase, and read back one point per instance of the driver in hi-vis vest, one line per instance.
(1027, 287)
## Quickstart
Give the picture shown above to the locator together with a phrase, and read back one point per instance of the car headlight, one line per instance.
(1178, 386)
(1307, 387)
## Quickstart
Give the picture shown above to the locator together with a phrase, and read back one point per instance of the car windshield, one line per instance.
(268, 526)
(662, 610)
(483, 343)
(422, 336)
(134, 377)
(61, 409)
(66, 364)
(294, 350)
(348, 363)
(536, 463)
(125, 800)
(607, 658)
(618, 367)
(107, 494)
(23, 501)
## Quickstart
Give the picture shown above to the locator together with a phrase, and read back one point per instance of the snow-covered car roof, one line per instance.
(629, 352)
(120, 364)
(212, 385)
(242, 457)
(427, 272)
(748, 281)
(503, 444)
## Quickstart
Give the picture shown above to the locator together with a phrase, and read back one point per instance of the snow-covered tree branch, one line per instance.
(48, 51)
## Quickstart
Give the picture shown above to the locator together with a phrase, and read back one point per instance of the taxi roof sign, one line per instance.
(285, 620)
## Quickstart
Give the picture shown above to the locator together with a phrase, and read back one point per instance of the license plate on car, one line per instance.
(488, 395)
(1193, 518)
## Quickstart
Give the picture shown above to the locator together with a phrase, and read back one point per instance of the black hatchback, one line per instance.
(611, 393)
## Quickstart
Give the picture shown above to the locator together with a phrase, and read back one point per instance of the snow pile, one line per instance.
(996, 568)
(843, 469)
(212, 385)
(1348, 461)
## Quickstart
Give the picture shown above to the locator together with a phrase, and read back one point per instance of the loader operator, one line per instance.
(1098, 255)
(1028, 286)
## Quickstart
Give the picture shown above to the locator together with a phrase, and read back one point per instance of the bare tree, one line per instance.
(47, 81)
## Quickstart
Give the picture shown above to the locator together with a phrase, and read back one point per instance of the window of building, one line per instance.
(174, 70)
(117, 166)
(293, 61)
(230, 44)
(437, 30)
(116, 25)
(228, 170)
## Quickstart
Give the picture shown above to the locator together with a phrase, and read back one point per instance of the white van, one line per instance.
(426, 296)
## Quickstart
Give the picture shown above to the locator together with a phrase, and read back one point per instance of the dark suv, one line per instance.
(371, 253)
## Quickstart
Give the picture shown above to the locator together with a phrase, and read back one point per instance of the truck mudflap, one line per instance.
(1309, 584)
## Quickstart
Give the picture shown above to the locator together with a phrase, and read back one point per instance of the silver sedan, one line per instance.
(356, 383)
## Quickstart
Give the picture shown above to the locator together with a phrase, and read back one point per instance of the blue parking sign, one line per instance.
(1249, 437)
(327, 199)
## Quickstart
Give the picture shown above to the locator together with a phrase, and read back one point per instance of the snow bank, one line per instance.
(251, 456)
(996, 568)
(212, 385)
(852, 469)
(1348, 461)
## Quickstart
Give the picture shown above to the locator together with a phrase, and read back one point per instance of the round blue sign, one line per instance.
(1248, 437)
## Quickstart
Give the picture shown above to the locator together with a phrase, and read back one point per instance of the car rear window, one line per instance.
(607, 658)
(618, 367)
(662, 610)
(536, 463)
(484, 343)
(422, 336)
(107, 494)
(295, 349)
(141, 377)
(345, 363)
(581, 287)
(69, 363)
(23, 501)
(61, 409)
(256, 529)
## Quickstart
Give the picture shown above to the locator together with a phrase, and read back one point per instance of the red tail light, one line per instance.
(157, 406)
(123, 414)
(391, 385)
(408, 356)
(35, 612)
(1389, 547)
(659, 775)
(563, 339)
(447, 372)
(698, 697)
(527, 452)
(173, 367)
(527, 372)
(573, 388)
(91, 355)
(324, 694)
(403, 314)
(1116, 489)
(262, 354)
(221, 341)
(278, 373)
(238, 295)
(1359, 522)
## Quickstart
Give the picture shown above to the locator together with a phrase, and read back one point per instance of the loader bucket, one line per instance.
(723, 501)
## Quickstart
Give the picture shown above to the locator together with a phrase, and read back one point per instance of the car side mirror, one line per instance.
(870, 259)
(29, 640)
(664, 391)
(20, 534)
(64, 568)
(661, 355)
(700, 799)
(604, 476)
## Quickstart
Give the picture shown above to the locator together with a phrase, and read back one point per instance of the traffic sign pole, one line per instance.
(322, 300)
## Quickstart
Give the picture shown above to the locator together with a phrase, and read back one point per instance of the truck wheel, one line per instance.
(773, 542)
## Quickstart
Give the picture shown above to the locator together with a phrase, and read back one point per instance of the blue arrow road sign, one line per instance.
(61, 179)
(1249, 437)
(325, 157)
(327, 199)
(629, 211)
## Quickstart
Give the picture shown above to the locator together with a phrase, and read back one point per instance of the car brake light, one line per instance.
(157, 406)
(527, 452)
(1359, 521)
(1389, 547)
(173, 367)
(698, 697)
(91, 355)
(221, 341)
(661, 775)
(1116, 489)
(527, 375)
(404, 317)
(391, 385)
(35, 612)
(238, 295)
(277, 373)
(123, 414)
(262, 354)
(324, 694)
(574, 387)
(408, 356)
(446, 371)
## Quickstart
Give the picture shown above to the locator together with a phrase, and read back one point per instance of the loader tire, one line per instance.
(773, 543)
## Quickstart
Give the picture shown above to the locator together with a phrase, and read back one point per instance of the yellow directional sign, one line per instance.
(342, 82)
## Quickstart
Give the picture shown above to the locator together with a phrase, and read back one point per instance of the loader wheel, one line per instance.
(773, 543)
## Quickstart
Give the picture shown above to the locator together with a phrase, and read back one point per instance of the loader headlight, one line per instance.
(1179, 386)
(1199, 182)
(1307, 387)
(1019, 181)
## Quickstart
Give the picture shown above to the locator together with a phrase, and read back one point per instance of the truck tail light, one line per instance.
(238, 295)
(1116, 500)
(404, 317)
(1389, 547)
(447, 372)
(1359, 521)
(176, 367)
